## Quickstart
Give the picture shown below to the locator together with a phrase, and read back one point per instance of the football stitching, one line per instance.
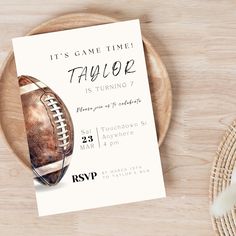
(61, 125)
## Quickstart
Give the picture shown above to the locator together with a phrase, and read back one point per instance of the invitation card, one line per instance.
(88, 117)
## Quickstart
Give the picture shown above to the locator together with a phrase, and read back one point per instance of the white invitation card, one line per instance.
(88, 117)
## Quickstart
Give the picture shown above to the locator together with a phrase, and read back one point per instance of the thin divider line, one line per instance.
(98, 137)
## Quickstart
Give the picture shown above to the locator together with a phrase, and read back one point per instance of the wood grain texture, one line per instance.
(196, 41)
(158, 78)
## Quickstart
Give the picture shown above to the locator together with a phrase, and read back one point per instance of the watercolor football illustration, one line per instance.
(49, 130)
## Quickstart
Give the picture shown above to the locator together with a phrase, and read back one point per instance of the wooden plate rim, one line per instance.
(109, 20)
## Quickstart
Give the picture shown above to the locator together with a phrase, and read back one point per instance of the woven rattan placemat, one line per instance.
(221, 177)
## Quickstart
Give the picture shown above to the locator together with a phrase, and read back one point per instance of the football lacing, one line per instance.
(63, 137)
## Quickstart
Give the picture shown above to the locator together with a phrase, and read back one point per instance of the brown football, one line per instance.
(49, 130)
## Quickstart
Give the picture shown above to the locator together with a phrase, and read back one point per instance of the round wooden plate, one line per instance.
(11, 117)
